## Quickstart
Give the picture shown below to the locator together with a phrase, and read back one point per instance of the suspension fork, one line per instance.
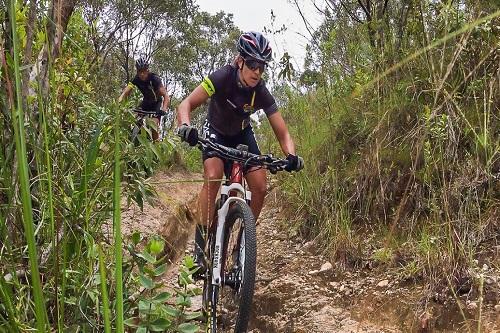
(229, 191)
(217, 260)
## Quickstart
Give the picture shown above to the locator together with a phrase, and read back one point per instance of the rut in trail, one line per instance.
(170, 216)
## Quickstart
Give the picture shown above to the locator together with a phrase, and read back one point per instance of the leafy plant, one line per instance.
(155, 309)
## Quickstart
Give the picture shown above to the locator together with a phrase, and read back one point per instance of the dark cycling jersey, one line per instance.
(246, 137)
(150, 88)
(231, 105)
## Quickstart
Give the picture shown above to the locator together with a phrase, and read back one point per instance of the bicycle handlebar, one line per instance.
(248, 159)
(150, 113)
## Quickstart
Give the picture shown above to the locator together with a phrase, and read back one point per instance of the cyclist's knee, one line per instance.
(259, 188)
(213, 171)
(212, 176)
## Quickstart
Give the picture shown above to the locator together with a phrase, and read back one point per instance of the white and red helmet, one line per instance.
(255, 45)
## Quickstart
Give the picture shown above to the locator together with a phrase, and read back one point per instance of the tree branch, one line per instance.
(351, 15)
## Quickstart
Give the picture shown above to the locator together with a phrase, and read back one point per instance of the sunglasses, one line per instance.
(255, 64)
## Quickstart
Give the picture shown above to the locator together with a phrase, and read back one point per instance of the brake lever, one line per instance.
(273, 170)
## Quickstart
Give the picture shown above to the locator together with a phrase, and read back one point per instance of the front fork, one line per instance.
(217, 257)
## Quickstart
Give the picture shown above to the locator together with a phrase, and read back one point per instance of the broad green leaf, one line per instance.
(146, 282)
(132, 322)
(188, 328)
(188, 262)
(184, 301)
(145, 306)
(136, 237)
(142, 329)
(146, 256)
(160, 270)
(160, 325)
(162, 297)
(156, 246)
(193, 315)
(170, 310)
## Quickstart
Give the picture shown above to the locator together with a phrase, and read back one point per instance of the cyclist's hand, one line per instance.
(295, 163)
(188, 134)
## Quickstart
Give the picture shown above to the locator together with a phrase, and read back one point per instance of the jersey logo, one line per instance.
(247, 108)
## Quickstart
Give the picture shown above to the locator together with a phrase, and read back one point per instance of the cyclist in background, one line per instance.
(152, 90)
(235, 91)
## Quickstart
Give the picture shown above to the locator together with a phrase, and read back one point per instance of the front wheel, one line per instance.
(135, 131)
(239, 264)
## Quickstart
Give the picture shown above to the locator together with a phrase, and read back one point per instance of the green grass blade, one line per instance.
(6, 300)
(104, 291)
(89, 168)
(18, 124)
(117, 226)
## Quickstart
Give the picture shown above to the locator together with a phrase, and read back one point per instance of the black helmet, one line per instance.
(141, 63)
(254, 44)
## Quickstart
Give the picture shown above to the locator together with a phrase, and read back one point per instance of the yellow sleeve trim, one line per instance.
(208, 86)
(130, 85)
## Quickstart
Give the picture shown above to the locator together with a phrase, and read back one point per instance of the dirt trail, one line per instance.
(292, 293)
(170, 216)
(297, 289)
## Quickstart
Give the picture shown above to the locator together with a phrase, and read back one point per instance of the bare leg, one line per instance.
(154, 131)
(256, 180)
(213, 171)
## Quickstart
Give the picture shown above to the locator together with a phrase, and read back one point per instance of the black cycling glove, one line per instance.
(188, 133)
(295, 163)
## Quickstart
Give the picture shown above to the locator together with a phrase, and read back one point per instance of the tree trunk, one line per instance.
(59, 15)
(405, 9)
(28, 50)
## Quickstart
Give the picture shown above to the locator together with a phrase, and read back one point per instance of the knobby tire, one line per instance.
(237, 303)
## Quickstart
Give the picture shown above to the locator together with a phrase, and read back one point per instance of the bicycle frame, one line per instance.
(229, 192)
(233, 205)
(141, 116)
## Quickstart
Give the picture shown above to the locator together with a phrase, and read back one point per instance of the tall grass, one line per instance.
(61, 172)
(22, 162)
(117, 225)
(408, 150)
(104, 292)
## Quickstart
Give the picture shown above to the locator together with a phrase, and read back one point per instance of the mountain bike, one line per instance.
(231, 245)
(140, 121)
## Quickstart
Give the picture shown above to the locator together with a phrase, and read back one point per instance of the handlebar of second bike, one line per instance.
(247, 159)
(158, 113)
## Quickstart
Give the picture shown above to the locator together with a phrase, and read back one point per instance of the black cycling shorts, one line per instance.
(245, 137)
(154, 106)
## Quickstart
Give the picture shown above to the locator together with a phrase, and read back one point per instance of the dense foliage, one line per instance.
(67, 164)
(397, 114)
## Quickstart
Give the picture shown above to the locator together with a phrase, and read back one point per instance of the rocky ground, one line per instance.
(299, 289)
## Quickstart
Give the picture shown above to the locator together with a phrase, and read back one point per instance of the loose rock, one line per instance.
(334, 284)
(326, 267)
(383, 283)
(472, 306)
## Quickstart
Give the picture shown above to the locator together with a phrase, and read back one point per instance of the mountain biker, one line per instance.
(152, 90)
(235, 91)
